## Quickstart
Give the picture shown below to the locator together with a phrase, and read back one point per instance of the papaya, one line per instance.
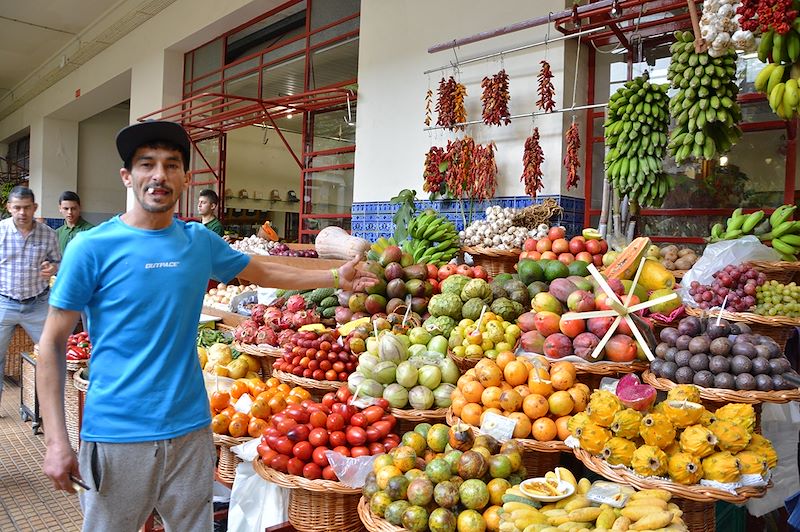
(626, 263)
(655, 276)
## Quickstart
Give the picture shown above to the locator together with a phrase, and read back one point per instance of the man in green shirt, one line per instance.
(69, 204)
(207, 207)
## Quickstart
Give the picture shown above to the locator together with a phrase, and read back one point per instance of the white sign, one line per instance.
(499, 427)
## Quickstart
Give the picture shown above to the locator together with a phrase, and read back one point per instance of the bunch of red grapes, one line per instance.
(739, 283)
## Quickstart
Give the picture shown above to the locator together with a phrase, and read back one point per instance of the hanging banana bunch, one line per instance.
(636, 134)
(705, 109)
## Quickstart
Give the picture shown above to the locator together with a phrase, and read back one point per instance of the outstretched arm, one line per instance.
(352, 276)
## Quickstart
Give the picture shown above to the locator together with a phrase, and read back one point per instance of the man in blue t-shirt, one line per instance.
(140, 277)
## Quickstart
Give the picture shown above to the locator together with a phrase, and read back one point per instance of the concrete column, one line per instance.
(54, 161)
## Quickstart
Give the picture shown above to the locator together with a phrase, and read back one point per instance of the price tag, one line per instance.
(244, 403)
(499, 427)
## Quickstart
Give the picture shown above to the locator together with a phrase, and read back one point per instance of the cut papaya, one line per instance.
(626, 263)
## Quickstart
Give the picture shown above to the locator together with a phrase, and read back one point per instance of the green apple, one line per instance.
(419, 335)
(438, 344)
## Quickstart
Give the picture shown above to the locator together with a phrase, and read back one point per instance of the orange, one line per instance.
(565, 365)
(220, 400)
(256, 427)
(302, 393)
(267, 394)
(561, 427)
(561, 379)
(238, 427)
(515, 373)
(540, 385)
(471, 414)
(561, 403)
(491, 397)
(260, 409)
(256, 386)
(490, 375)
(228, 411)
(544, 429)
(283, 387)
(472, 391)
(535, 406)
(219, 423)
(492, 518)
(457, 404)
(523, 427)
(239, 388)
(293, 400)
(504, 358)
(277, 403)
(505, 386)
(463, 380)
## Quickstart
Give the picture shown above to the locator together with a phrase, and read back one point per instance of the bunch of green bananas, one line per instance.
(781, 84)
(781, 49)
(778, 228)
(434, 239)
(636, 133)
(705, 108)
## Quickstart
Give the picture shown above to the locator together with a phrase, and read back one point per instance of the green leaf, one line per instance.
(443, 166)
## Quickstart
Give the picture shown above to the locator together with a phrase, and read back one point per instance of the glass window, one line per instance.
(283, 79)
(324, 13)
(335, 31)
(335, 159)
(273, 30)
(207, 58)
(334, 64)
(334, 129)
(246, 85)
(210, 150)
(283, 51)
(315, 224)
(329, 191)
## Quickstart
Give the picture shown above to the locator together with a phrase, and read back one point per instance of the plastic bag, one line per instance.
(216, 383)
(255, 503)
(718, 255)
(351, 472)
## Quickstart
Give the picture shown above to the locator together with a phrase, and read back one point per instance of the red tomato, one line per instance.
(372, 413)
(394, 437)
(279, 463)
(312, 471)
(266, 453)
(286, 425)
(318, 456)
(284, 445)
(383, 403)
(335, 422)
(338, 366)
(318, 418)
(388, 444)
(359, 451)
(391, 419)
(337, 438)
(318, 437)
(374, 434)
(298, 433)
(344, 451)
(328, 474)
(356, 436)
(295, 466)
(383, 428)
(302, 450)
(359, 420)
(343, 394)
(376, 448)
(328, 399)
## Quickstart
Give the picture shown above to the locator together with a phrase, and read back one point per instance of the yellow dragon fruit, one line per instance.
(763, 446)
(741, 414)
(649, 461)
(576, 421)
(656, 429)
(707, 418)
(683, 413)
(673, 448)
(730, 436)
(618, 451)
(684, 468)
(659, 408)
(721, 467)
(684, 392)
(698, 440)
(602, 407)
(593, 437)
(626, 423)
(752, 462)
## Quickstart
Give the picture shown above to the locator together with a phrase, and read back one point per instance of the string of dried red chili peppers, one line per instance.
(434, 173)
(547, 92)
(532, 159)
(428, 102)
(763, 15)
(463, 169)
(495, 99)
(571, 162)
(450, 104)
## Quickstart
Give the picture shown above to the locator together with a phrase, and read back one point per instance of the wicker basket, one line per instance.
(781, 271)
(698, 516)
(408, 419)
(464, 364)
(777, 331)
(74, 395)
(555, 446)
(226, 469)
(719, 395)
(20, 343)
(372, 522)
(309, 384)
(265, 356)
(495, 261)
(316, 505)
(28, 386)
(696, 492)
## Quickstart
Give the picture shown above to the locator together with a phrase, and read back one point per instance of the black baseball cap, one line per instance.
(132, 137)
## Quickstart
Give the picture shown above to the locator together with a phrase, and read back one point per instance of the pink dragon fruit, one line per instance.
(257, 314)
(266, 335)
(295, 303)
(286, 320)
(303, 317)
(246, 332)
(633, 394)
(285, 336)
(272, 317)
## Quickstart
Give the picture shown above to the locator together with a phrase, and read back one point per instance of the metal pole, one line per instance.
(524, 25)
(513, 50)
(526, 115)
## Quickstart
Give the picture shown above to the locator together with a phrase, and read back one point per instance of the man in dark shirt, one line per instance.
(207, 207)
(69, 204)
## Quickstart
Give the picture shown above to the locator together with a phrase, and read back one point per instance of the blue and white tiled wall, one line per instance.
(372, 220)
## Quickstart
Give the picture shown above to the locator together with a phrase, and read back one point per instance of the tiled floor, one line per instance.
(27, 499)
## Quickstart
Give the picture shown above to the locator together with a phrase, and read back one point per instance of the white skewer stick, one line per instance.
(719, 315)
(408, 309)
(480, 318)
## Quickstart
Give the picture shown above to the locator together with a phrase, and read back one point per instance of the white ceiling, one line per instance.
(31, 31)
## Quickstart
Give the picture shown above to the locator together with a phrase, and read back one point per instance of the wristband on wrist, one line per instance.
(335, 273)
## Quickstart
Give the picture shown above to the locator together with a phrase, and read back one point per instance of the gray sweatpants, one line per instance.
(129, 480)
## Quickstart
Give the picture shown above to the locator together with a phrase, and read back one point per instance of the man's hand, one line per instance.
(353, 276)
(59, 463)
(47, 270)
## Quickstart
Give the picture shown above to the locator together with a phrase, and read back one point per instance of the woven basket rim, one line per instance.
(437, 414)
(229, 441)
(294, 482)
(80, 383)
(695, 492)
(745, 317)
(491, 252)
(288, 378)
(555, 446)
(721, 395)
(372, 522)
(610, 368)
(780, 265)
(250, 349)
